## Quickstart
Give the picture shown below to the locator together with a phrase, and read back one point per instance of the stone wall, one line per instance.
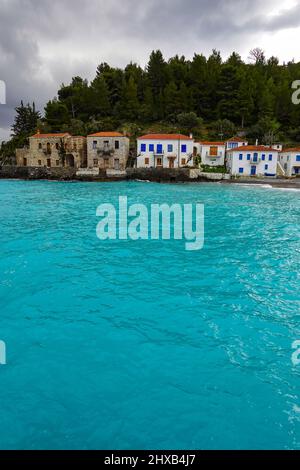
(27, 172)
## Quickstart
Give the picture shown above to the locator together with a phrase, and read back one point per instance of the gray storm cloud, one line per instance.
(44, 43)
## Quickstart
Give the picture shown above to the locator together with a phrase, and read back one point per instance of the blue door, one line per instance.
(255, 158)
(159, 149)
(253, 170)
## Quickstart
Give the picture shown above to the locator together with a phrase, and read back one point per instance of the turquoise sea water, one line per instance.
(141, 344)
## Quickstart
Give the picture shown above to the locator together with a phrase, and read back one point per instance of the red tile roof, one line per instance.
(290, 150)
(165, 137)
(49, 136)
(206, 142)
(253, 148)
(236, 139)
(107, 134)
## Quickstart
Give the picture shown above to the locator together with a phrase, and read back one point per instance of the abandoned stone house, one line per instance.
(54, 150)
(107, 151)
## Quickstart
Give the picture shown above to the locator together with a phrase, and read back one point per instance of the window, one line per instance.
(241, 170)
(270, 158)
(159, 162)
(57, 146)
(143, 147)
(40, 162)
(298, 158)
(75, 147)
(241, 156)
(248, 156)
(170, 148)
(183, 161)
(263, 157)
(95, 162)
(151, 147)
(146, 161)
(266, 167)
(183, 148)
(57, 162)
(40, 146)
(213, 151)
(117, 145)
(95, 144)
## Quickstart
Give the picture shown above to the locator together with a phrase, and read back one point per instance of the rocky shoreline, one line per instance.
(182, 175)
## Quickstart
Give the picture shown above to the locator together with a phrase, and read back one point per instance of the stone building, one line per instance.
(107, 151)
(54, 150)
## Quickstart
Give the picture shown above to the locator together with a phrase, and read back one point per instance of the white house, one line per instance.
(290, 161)
(252, 160)
(212, 153)
(165, 151)
(235, 142)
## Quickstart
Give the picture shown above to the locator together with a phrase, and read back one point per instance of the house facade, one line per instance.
(290, 161)
(165, 151)
(235, 142)
(252, 160)
(108, 151)
(212, 153)
(53, 150)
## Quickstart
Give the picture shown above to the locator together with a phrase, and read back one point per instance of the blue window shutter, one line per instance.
(183, 148)
(241, 170)
(266, 167)
(151, 148)
(143, 148)
(241, 156)
(298, 158)
(248, 156)
(170, 148)
(270, 158)
(263, 157)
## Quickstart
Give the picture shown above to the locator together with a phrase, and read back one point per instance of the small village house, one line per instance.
(290, 161)
(235, 142)
(108, 151)
(252, 160)
(212, 153)
(53, 150)
(165, 151)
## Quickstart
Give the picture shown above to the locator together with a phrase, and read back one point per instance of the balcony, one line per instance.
(105, 152)
(211, 155)
(255, 160)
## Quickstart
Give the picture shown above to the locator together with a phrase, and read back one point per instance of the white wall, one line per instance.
(290, 163)
(167, 152)
(212, 161)
(234, 163)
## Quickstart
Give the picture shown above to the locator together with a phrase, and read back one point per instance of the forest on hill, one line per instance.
(207, 96)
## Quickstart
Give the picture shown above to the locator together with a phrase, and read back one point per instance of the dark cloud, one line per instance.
(45, 42)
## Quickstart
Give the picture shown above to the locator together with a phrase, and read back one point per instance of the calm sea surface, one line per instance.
(141, 344)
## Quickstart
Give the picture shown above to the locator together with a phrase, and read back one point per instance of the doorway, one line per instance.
(253, 170)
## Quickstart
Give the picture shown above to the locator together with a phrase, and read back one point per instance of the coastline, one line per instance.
(182, 175)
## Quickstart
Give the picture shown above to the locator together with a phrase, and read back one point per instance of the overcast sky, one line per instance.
(45, 42)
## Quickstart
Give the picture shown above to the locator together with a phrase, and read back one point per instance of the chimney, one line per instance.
(191, 135)
(256, 142)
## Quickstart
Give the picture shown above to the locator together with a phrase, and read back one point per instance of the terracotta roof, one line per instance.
(165, 137)
(236, 139)
(107, 134)
(206, 142)
(48, 136)
(253, 148)
(290, 150)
